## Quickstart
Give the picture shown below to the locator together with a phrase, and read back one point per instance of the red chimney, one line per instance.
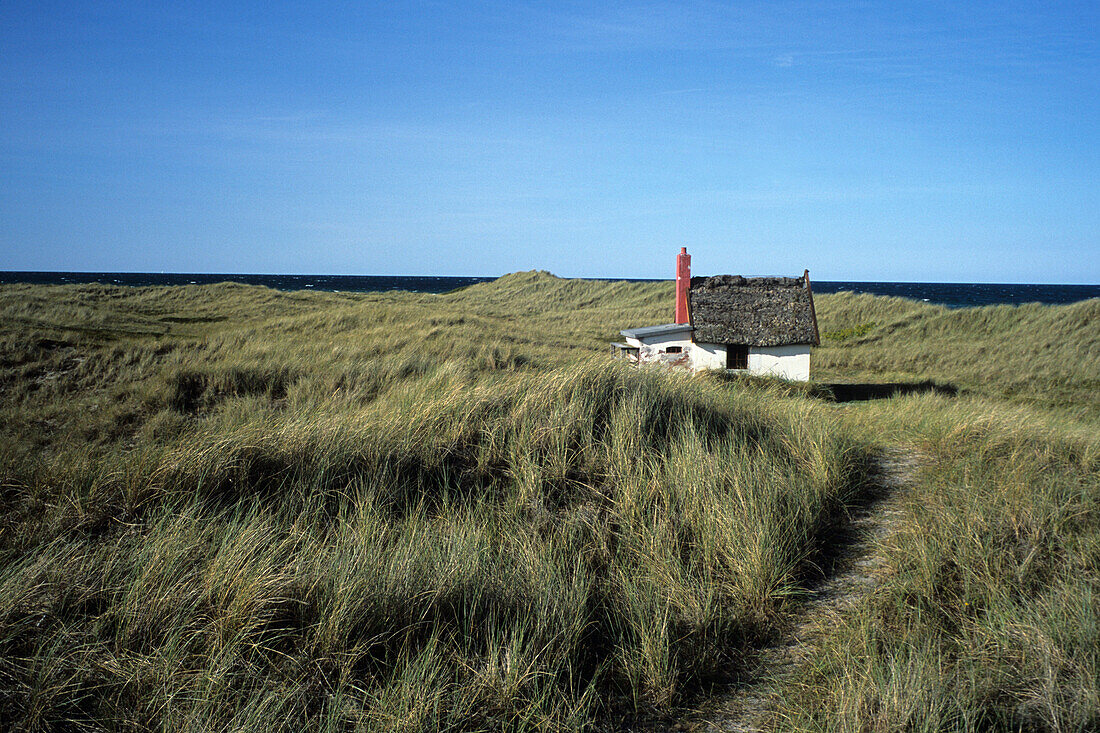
(683, 284)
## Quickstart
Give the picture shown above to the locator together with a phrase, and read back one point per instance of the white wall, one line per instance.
(788, 362)
(651, 349)
(709, 356)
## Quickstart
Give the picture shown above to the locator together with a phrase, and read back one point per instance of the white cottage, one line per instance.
(759, 325)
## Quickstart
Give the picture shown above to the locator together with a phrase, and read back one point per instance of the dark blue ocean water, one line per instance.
(953, 295)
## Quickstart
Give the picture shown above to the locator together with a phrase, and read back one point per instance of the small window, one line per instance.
(737, 356)
(674, 349)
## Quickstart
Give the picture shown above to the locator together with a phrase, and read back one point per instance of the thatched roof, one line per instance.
(754, 311)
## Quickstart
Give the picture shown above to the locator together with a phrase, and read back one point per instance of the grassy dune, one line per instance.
(231, 508)
(987, 618)
(1039, 355)
(225, 507)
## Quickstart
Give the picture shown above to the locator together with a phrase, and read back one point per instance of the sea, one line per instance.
(952, 295)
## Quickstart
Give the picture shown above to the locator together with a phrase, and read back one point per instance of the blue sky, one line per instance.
(862, 140)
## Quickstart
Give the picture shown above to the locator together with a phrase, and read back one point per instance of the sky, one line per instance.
(899, 141)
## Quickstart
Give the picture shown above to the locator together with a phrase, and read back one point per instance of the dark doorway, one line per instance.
(737, 356)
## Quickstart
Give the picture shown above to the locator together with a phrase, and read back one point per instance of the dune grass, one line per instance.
(1032, 354)
(225, 507)
(986, 617)
(383, 512)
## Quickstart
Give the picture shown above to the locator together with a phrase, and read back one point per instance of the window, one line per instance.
(674, 349)
(737, 356)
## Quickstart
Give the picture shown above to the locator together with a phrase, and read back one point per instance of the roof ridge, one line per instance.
(767, 281)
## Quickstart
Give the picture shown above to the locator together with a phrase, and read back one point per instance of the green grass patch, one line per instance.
(843, 334)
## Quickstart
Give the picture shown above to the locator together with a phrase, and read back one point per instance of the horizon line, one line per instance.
(495, 277)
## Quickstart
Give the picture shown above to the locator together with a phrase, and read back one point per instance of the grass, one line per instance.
(383, 512)
(987, 618)
(1032, 354)
(225, 507)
